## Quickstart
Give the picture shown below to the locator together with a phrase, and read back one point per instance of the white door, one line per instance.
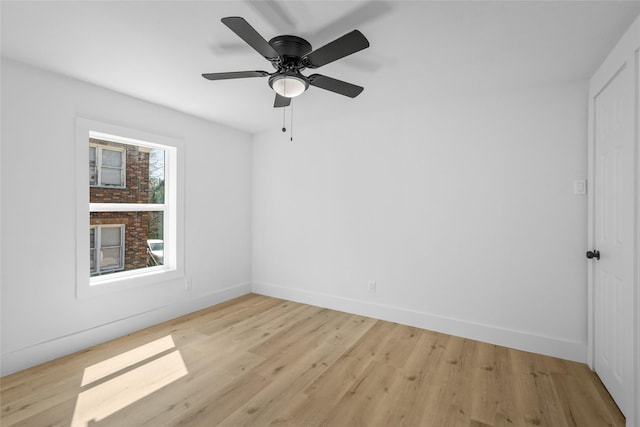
(614, 121)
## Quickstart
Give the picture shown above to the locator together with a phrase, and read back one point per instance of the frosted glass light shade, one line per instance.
(289, 86)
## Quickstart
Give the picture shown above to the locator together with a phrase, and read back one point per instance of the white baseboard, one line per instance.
(570, 350)
(51, 349)
(48, 350)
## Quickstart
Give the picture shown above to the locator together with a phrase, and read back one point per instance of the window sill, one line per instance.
(127, 280)
(115, 187)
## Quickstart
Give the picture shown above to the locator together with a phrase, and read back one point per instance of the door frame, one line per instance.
(627, 51)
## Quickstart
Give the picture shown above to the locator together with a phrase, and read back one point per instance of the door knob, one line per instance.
(593, 254)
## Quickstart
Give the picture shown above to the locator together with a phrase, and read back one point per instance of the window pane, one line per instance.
(155, 239)
(92, 260)
(110, 258)
(92, 251)
(111, 236)
(156, 176)
(111, 176)
(93, 175)
(111, 158)
(141, 246)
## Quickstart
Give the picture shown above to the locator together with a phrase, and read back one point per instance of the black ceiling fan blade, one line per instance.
(335, 85)
(235, 75)
(281, 101)
(339, 48)
(247, 33)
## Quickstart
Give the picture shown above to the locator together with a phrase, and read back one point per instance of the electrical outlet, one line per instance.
(580, 187)
(372, 287)
(188, 285)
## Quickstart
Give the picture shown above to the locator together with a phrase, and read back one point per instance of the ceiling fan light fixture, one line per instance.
(288, 85)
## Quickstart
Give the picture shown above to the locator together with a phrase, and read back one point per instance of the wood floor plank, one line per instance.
(325, 392)
(207, 374)
(449, 403)
(605, 397)
(400, 346)
(537, 398)
(292, 370)
(299, 329)
(260, 361)
(492, 401)
(580, 402)
(57, 415)
(413, 383)
(363, 404)
(255, 332)
(339, 377)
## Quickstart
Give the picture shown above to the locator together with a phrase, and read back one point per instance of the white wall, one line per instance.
(41, 318)
(462, 211)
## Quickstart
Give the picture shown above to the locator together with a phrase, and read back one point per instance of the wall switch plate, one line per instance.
(580, 187)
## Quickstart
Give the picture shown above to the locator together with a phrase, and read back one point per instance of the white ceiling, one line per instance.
(420, 50)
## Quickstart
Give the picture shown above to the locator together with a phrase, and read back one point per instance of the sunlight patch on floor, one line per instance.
(106, 398)
(124, 360)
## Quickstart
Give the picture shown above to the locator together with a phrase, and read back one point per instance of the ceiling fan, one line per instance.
(290, 55)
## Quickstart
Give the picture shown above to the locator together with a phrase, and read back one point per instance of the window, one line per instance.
(139, 206)
(106, 248)
(137, 209)
(106, 166)
(129, 208)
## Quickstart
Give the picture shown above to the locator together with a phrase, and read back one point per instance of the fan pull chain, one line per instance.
(284, 129)
(291, 126)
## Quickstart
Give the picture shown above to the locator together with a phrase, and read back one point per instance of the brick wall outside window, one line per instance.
(137, 179)
(136, 191)
(135, 236)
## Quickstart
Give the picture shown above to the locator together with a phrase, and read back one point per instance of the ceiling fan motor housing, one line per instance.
(291, 49)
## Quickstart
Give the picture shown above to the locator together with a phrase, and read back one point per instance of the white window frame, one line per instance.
(98, 247)
(123, 169)
(173, 211)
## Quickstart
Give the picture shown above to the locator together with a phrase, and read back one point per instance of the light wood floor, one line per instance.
(262, 361)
